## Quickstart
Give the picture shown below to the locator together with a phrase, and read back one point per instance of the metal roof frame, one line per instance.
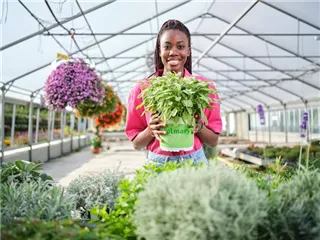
(250, 72)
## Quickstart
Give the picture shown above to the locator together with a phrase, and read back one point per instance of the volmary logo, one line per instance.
(178, 131)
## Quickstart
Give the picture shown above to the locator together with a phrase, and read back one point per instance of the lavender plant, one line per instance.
(73, 83)
(261, 114)
(37, 199)
(207, 203)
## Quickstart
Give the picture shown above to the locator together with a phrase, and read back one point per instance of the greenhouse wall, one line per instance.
(43, 152)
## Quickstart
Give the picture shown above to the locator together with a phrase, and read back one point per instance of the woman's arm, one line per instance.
(144, 138)
(208, 137)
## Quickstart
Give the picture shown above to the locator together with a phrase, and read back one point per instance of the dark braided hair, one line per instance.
(172, 25)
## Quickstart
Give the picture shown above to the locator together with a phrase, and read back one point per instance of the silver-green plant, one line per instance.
(295, 212)
(97, 190)
(206, 203)
(34, 199)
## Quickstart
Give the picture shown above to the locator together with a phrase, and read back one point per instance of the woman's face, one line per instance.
(174, 50)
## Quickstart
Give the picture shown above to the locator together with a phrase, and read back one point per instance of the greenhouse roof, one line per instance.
(256, 52)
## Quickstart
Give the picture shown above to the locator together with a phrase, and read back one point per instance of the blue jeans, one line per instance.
(197, 156)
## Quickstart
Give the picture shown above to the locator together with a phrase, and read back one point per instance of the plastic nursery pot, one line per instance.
(95, 150)
(179, 137)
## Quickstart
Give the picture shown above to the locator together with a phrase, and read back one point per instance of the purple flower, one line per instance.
(261, 114)
(303, 125)
(71, 83)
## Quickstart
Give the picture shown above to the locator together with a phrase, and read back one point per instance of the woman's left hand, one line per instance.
(199, 124)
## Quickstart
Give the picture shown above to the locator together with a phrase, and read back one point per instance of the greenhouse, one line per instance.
(220, 97)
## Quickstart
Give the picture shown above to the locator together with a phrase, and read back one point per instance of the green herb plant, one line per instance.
(20, 171)
(176, 98)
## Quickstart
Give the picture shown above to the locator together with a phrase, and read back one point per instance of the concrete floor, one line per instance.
(65, 169)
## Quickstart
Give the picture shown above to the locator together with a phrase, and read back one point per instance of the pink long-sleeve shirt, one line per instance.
(137, 123)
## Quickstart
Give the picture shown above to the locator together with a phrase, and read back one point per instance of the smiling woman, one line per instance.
(172, 54)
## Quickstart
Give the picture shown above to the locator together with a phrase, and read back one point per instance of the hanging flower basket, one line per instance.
(106, 120)
(73, 83)
(89, 108)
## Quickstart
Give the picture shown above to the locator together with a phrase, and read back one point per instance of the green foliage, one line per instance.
(36, 199)
(269, 178)
(118, 223)
(96, 142)
(95, 190)
(177, 98)
(34, 229)
(208, 203)
(295, 212)
(21, 171)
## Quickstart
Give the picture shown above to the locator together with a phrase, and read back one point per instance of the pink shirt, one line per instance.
(137, 123)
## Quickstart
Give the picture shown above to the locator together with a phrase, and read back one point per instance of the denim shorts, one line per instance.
(197, 156)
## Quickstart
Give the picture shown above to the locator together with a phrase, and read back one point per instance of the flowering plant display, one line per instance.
(73, 83)
(303, 125)
(261, 114)
(90, 108)
(106, 120)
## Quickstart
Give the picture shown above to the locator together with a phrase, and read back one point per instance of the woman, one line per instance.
(172, 54)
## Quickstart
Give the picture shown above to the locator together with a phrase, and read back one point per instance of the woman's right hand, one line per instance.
(155, 125)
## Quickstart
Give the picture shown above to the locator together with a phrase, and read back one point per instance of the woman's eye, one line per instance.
(180, 47)
(166, 47)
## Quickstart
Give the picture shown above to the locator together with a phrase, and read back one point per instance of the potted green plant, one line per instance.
(96, 142)
(96, 145)
(177, 100)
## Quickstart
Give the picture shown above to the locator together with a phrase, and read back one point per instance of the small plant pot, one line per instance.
(179, 137)
(95, 150)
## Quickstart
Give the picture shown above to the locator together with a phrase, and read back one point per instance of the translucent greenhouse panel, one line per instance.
(238, 75)
(213, 64)
(264, 98)
(305, 45)
(132, 66)
(120, 43)
(314, 79)
(301, 89)
(113, 63)
(287, 63)
(183, 13)
(245, 63)
(308, 10)
(234, 8)
(141, 50)
(30, 25)
(269, 20)
(269, 75)
(212, 25)
(17, 59)
(280, 94)
(213, 76)
(251, 46)
(131, 76)
(249, 100)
